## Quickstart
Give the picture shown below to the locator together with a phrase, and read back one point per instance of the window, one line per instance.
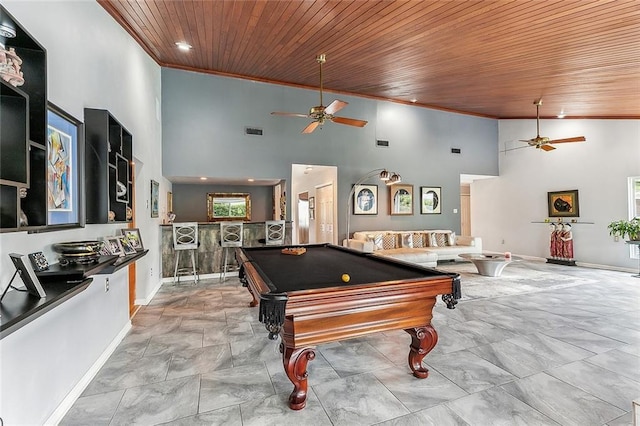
(634, 209)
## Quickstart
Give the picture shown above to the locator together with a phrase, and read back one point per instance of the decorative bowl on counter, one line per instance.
(78, 251)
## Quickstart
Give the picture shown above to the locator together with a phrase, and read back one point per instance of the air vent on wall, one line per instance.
(456, 151)
(382, 143)
(253, 131)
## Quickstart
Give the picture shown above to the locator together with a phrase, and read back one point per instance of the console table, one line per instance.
(636, 243)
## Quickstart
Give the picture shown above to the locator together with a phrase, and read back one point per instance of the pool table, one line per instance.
(305, 300)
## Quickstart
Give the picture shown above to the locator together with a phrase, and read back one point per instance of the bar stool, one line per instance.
(274, 232)
(185, 237)
(230, 236)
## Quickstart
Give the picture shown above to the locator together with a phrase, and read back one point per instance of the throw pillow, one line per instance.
(418, 240)
(389, 241)
(451, 239)
(376, 239)
(429, 240)
(406, 240)
(441, 239)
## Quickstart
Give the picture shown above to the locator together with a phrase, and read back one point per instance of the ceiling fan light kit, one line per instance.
(543, 142)
(320, 114)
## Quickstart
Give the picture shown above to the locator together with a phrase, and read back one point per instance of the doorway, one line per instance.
(324, 214)
(303, 218)
(314, 219)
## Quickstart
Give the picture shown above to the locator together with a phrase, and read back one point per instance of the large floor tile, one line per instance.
(418, 394)
(229, 416)
(550, 348)
(562, 402)
(440, 415)
(93, 410)
(358, 400)
(354, 358)
(469, 371)
(514, 359)
(497, 408)
(237, 385)
(274, 411)
(200, 360)
(122, 374)
(620, 362)
(604, 384)
(175, 341)
(584, 339)
(158, 402)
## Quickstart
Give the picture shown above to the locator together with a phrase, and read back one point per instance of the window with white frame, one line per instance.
(634, 209)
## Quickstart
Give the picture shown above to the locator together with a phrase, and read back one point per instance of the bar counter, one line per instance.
(210, 253)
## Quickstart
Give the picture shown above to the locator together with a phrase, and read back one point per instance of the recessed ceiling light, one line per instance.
(414, 100)
(203, 178)
(184, 46)
(251, 179)
(561, 115)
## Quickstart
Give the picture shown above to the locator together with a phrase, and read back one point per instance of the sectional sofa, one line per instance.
(424, 247)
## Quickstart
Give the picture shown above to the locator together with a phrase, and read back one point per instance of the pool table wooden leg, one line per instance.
(295, 365)
(423, 339)
(254, 302)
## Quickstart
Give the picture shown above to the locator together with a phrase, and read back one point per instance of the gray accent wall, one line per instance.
(204, 116)
(190, 201)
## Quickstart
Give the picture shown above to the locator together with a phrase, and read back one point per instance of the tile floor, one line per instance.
(566, 354)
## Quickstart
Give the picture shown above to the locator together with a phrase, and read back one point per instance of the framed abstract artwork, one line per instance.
(155, 202)
(64, 168)
(563, 203)
(401, 200)
(430, 200)
(365, 199)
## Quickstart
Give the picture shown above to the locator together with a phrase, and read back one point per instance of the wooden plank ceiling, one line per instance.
(489, 57)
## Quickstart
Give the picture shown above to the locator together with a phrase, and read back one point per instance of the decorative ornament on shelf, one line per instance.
(111, 215)
(129, 214)
(10, 64)
(121, 189)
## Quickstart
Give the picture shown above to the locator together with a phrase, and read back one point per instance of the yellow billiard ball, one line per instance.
(346, 278)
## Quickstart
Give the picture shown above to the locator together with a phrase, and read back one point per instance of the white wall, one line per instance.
(504, 208)
(92, 62)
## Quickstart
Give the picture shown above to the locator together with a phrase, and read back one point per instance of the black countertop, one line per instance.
(60, 283)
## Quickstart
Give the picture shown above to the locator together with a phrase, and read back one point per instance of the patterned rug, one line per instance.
(517, 278)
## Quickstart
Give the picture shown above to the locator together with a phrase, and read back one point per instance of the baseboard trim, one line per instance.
(151, 295)
(216, 275)
(66, 404)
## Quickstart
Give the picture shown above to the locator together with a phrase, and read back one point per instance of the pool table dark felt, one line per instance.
(303, 299)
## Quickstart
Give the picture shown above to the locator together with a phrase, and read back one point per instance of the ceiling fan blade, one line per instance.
(576, 139)
(349, 121)
(290, 114)
(547, 147)
(311, 127)
(335, 106)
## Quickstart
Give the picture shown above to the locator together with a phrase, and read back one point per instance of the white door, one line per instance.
(324, 214)
(303, 218)
(465, 210)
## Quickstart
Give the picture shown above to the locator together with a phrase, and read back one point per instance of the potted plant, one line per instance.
(622, 228)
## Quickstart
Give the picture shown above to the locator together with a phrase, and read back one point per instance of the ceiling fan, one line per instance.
(544, 142)
(319, 114)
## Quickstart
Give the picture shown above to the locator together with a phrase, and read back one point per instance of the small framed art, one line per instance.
(365, 199)
(126, 246)
(401, 199)
(563, 203)
(134, 238)
(430, 200)
(114, 246)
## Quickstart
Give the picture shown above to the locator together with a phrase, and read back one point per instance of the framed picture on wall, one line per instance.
(401, 200)
(563, 203)
(155, 192)
(430, 200)
(64, 163)
(365, 199)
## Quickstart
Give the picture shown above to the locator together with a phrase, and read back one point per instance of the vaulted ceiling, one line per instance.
(486, 57)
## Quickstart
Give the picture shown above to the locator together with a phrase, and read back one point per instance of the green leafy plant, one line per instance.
(622, 228)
